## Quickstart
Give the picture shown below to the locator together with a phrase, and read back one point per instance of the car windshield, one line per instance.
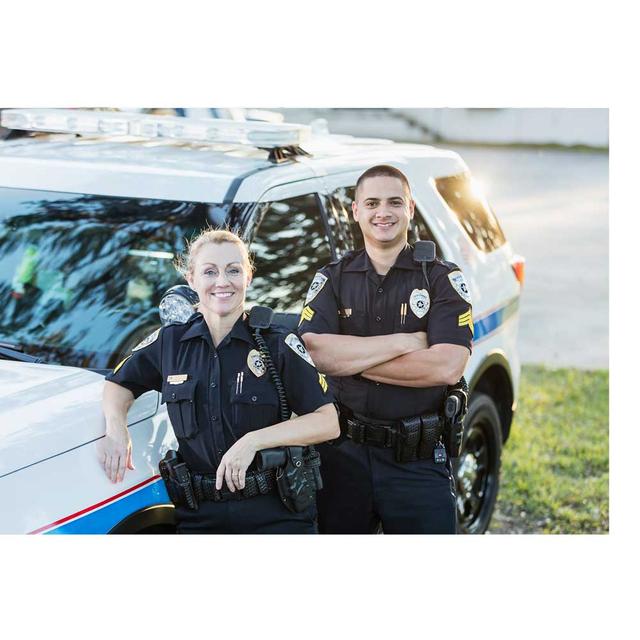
(81, 276)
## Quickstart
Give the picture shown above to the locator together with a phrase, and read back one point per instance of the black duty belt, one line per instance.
(412, 438)
(367, 431)
(377, 435)
(256, 483)
(294, 471)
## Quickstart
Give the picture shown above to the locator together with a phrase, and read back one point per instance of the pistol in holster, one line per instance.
(177, 480)
(297, 475)
(455, 410)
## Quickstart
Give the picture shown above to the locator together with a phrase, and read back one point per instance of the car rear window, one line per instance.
(472, 210)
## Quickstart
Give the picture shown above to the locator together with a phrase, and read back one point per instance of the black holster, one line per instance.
(298, 478)
(177, 480)
(430, 434)
(455, 410)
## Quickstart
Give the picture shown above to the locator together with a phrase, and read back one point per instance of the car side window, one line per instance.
(343, 197)
(289, 245)
(472, 210)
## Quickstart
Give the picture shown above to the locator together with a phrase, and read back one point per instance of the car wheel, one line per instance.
(132, 341)
(477, 469)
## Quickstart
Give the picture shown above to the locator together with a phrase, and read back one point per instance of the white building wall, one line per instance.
(588, 127)
(502, 126)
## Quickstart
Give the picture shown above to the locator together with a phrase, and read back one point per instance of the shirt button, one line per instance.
(213, 385)
(254, 398)
(380, 290)
(214, 418)
(378, 318)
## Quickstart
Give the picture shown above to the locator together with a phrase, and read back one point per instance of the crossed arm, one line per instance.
(403, 359)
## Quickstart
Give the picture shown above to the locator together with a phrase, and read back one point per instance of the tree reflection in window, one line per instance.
(80, 274)
(289, 246)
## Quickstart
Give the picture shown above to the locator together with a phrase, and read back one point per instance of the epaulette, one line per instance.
(450, 266)
(279, 328)
(191, 320)
(345, 260)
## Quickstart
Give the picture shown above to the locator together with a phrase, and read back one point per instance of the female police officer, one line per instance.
(222, 401)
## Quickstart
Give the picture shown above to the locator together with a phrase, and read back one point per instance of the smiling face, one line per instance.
(383, 209)
(220, 276)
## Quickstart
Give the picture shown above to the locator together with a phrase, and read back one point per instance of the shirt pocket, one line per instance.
(181, 407)
(355, 324)
(255, 407)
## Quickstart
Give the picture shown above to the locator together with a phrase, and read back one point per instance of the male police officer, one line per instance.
(391, 343)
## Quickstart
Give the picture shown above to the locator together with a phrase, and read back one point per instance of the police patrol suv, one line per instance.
(92, 213)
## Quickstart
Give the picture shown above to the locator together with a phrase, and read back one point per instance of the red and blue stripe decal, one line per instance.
(103, 516)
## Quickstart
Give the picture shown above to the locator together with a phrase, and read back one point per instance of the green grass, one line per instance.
(555, 465)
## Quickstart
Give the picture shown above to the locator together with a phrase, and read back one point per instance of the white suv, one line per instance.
(91, 217)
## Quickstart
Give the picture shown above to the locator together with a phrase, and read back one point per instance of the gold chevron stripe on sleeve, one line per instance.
(120, 364)
(307, 314)
(465, 319)
(323, 382)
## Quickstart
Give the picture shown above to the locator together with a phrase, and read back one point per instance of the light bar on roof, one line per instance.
(257, 134)
(66, 121)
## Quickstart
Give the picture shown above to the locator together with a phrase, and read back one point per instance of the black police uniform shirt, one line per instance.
(349, 297)
(215, 395)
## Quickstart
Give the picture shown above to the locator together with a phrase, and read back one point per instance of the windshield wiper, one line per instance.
(14, 352)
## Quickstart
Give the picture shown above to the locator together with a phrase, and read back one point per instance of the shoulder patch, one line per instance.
(460, 285)
(147, 341)
(293, 342)
(316, 286)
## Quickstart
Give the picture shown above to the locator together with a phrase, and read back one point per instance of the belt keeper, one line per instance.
(388, 437)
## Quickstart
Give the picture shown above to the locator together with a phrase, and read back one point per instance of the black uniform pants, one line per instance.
(364, 487)
(262, 514)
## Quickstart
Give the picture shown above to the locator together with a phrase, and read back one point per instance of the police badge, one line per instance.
(460, 285)
(419, 302)
(316, 286)
(256, 363)
(293, 342)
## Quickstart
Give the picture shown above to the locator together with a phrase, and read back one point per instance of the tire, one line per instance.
(477, 469)
(132, 341)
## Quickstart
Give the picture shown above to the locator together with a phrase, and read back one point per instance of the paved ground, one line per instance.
(553, 207)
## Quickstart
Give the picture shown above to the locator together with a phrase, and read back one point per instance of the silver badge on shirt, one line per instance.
(419, 302)
(256, 363)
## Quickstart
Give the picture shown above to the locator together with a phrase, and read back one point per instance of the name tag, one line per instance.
(178, 378)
